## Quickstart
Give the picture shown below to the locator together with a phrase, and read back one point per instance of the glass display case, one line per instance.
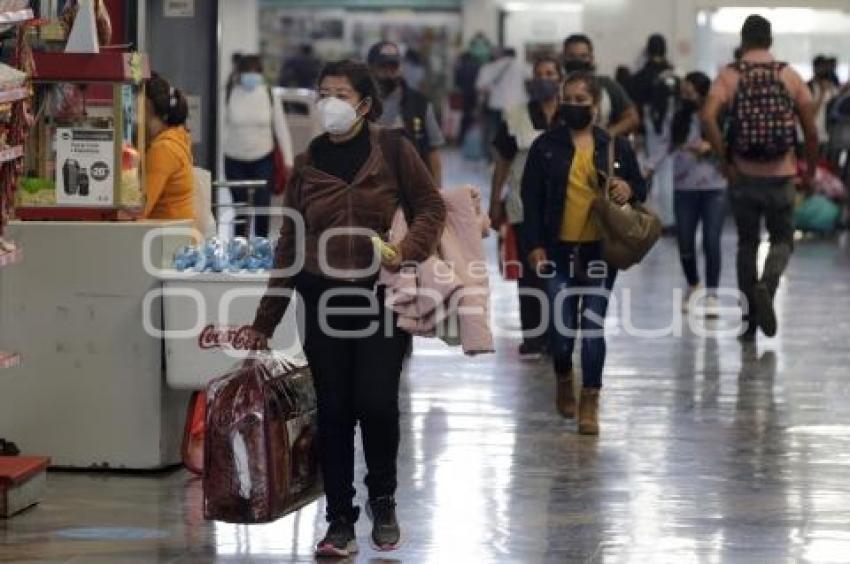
(85, 156)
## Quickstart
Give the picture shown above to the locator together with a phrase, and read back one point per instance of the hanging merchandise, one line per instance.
(15, 117)
(99, 16)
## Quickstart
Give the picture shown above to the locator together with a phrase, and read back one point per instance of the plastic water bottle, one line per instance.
(262, 256)
(238, 253)
(215, 254)
(186, 257)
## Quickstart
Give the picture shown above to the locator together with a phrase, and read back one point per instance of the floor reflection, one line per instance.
(710, 452)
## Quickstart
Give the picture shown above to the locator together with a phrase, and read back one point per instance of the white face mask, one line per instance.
(337, 117)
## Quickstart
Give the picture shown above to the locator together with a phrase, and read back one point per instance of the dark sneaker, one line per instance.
(339, 541)
(531, 351)
(764, 310)
(386, 533)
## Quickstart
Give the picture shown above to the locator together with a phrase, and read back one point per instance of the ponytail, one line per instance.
(169, 103)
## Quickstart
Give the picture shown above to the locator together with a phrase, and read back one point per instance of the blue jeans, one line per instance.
(693, 207)
(579, 292)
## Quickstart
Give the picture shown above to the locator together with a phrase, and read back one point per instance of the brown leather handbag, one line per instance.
(628, 232)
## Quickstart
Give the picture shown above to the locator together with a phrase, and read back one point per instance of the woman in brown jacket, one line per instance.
(345, 188)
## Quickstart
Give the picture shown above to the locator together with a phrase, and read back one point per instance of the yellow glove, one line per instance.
(386, 251)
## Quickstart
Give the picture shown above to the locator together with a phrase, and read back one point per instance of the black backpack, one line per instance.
(763, 124)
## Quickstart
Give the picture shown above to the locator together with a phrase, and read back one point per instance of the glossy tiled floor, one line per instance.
(709, 452)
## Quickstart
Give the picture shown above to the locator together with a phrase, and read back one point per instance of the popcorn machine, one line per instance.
(85, 156)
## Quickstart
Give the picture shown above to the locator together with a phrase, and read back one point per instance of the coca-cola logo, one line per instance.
(238, 338)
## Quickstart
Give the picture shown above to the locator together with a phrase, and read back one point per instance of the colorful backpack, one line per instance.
(763, 125)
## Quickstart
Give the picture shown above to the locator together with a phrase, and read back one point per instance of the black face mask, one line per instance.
(577, 117)
(575, 65)
(541, 89)
(388, 85)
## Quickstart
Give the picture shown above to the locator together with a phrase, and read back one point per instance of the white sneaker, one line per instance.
(686, 299)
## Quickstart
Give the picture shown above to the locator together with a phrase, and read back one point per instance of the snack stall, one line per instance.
(85, 156)
(81, 309)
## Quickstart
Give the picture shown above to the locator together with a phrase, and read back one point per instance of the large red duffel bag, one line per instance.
(259, 448)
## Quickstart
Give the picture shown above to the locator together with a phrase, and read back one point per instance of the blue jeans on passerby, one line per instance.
(693, 207)
(579, 293)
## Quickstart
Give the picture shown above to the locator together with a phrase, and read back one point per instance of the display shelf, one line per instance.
(12, 257)
(17, 16)
(9, 359)
(14, 94)
(11, 153)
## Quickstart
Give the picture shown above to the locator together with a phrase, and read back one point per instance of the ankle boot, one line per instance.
(565, 399)
(588, 414)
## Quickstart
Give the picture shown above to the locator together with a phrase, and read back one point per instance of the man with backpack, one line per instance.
(765, 99)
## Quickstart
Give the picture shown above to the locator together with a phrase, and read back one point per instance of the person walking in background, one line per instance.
(566, 168)
(501, 85)
(617, 113)
(407, 108)
(301, 69)
(644, 81)
(700, 193)
(466, 74)
(825, 87)
(356, 359)
(766, 100)
(253, 125)
(521, 126)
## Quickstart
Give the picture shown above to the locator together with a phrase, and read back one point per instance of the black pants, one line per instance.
(357, 380)
(530, 285)
(753, 199)
(262, 169)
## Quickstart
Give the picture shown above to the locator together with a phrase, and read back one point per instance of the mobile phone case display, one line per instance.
(86, 160)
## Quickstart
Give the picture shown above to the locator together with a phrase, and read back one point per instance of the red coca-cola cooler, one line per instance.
(206, 318)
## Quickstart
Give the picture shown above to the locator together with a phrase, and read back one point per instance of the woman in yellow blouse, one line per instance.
(566, 171)
(169, 182)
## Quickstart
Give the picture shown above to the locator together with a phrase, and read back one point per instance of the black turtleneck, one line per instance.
(343, 160)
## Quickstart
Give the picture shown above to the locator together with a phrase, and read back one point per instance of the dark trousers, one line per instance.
(692, 208)
(753, 199)
(262, 169)
(531, 307)
(356, 380)
(579, 293)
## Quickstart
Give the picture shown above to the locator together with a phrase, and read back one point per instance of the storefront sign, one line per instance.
(179, 8)
(84, 166)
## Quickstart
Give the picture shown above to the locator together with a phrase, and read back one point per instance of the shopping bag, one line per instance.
(509, 260)
(193, 434)
(259, 449)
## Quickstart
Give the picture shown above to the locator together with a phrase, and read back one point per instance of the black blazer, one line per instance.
(544, 181)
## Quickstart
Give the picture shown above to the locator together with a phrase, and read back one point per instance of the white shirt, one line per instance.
(248, 126)
(504, 80)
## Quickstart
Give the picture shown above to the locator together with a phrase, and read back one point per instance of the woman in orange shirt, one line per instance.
(169, 182)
